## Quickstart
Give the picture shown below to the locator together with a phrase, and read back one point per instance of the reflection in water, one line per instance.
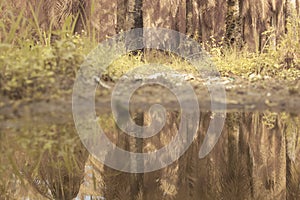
(41, 161)
(257, 157)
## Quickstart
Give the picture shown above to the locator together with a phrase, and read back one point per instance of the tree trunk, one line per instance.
(233, 25)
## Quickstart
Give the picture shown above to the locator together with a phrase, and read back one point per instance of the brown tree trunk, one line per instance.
(298, 7)
(134, 15)
(233, 25)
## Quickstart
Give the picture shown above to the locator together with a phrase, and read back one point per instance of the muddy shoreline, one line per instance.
(241, 96)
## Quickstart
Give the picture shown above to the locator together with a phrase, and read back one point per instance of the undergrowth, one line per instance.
(33, 64)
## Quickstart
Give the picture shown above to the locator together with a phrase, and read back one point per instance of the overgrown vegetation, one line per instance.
(280, 62)
(33, 64)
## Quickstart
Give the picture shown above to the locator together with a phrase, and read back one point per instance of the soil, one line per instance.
(258, 94)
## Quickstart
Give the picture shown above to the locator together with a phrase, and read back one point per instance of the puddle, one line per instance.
(256, 157)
